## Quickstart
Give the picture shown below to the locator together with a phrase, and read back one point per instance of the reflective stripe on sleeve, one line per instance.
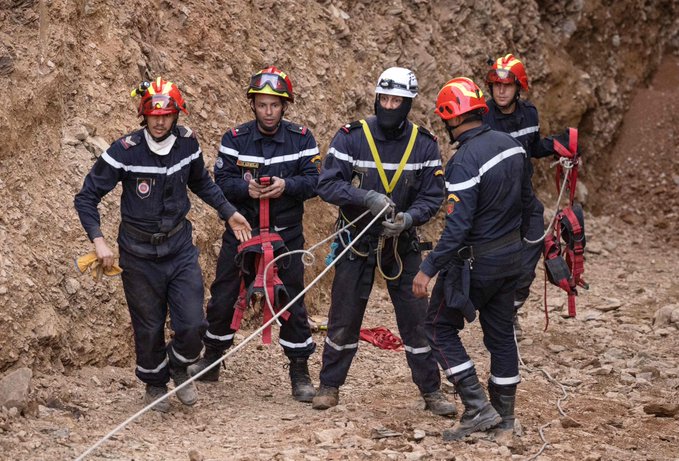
(469, 183)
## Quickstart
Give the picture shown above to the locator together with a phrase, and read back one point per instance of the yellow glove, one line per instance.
(90, 261)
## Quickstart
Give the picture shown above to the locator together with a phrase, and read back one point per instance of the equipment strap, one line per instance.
(389, 186)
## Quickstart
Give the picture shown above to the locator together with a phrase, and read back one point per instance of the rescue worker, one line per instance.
(477, 258)
(384, 160)
(286, 152)
(159, 260)
(508, 113)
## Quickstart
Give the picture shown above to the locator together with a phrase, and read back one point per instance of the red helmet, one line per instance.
(159, 98)
(271, 81)
(508, 69)
(459, 96)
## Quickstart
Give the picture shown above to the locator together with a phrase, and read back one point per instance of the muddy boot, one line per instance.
(437, 403)
(302, 388)
(188, 395)
(502, 398)
(479, 414)
(210, 357)
(326, 397)
(152, 394)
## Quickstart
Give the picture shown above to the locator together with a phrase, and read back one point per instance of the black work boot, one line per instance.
(152, 394)
(188, 395)
(302, 388)
(437, 403)
(210, 357)
(479, 414)
(502, 398)
(326, 397)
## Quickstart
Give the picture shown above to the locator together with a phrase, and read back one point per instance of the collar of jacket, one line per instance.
(469, 134)
(277, 137)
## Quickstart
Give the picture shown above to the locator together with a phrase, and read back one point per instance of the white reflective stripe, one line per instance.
(505, 154)
(184, 359)
(338, 347)
(417, 350)
(524, 131)
(269, 161)
(183, 163)
(220, 338)
(387, 166)
(519, 303)
(506, 381)
(151, 169)
(459, 368)
(156, 369)
(310, 340)
(228, 151)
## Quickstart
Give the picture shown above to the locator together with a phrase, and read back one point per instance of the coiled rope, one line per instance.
(239, 346)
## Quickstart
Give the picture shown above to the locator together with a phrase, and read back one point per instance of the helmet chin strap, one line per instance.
(162, 138)
(451, 128)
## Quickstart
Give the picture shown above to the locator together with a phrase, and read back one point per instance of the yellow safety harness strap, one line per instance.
(389, 186)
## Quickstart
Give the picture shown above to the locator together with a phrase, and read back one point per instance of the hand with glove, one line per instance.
(402, 221)
(376, 202)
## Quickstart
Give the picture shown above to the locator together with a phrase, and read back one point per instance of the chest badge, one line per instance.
(143, 187)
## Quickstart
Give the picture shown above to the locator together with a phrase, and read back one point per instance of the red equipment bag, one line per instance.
(253, 257)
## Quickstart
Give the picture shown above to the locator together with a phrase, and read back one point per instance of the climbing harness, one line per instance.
(238, 347)
(258, 253)
(389, 187)
(564, 266)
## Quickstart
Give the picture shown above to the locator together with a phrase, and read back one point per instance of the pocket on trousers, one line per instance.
(456, 294)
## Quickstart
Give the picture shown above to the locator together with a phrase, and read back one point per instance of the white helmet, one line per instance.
(397, 81)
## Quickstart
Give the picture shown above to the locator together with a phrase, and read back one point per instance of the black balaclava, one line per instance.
(392, 121)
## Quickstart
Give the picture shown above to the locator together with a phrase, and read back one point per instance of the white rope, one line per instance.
(563, 397)
(567, 164)
(233, 350)
(308, 253)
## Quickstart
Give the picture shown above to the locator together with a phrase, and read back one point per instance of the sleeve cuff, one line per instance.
(226, 211)
(428, 268)
(94, 233)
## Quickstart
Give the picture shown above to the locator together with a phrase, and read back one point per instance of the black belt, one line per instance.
(472, 251)
(153, 238)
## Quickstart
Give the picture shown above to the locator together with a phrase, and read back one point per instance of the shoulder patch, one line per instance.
(185, 132)
(426, 132)
(350, 126)
(238, 131)
(130, 140)
(295, 128)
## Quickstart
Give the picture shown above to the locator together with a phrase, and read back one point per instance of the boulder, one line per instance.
(14, 387)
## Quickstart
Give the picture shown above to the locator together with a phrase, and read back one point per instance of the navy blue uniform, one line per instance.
(158, 258)
(523, 125)
(245, 154)
(349, 172)
(478, 255)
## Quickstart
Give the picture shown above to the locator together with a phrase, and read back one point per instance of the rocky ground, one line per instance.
(617, 365)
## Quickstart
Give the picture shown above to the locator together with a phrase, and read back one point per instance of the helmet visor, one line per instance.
(275, 82)
(389, 84)
(500, 76)
(159, 104)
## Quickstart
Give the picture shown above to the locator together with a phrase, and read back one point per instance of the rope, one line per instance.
(568, 165)
(231, 351)
(563, 397)
(308, 258)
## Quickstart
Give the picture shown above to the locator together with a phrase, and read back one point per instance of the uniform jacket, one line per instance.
(488, 188)
(291, 153)
(349, 172)
(154, 197)
(523, 125)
